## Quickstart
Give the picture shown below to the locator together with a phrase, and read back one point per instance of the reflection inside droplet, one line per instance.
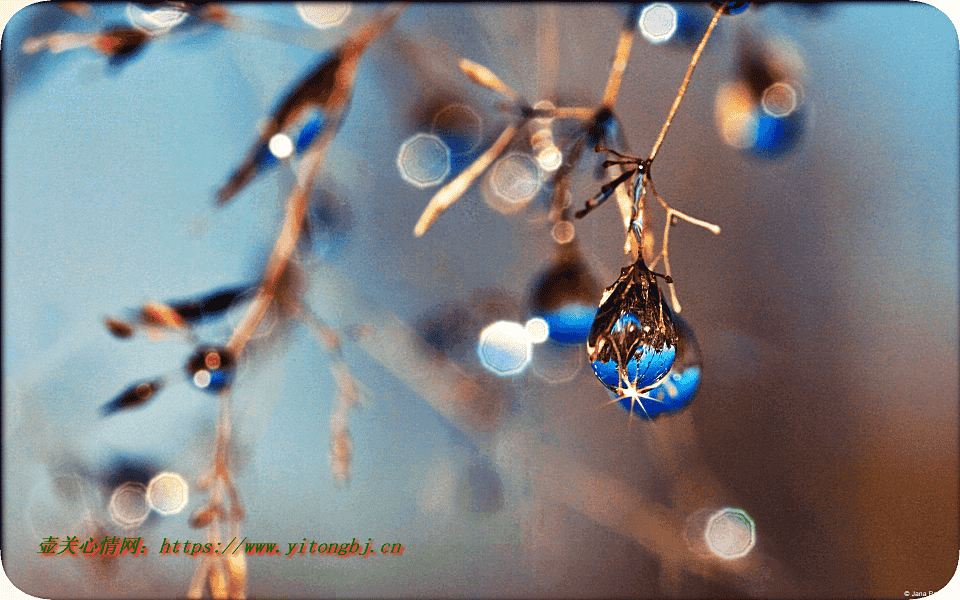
(167, 493)
(730, 533)
(423, 160)
(324, 15)
(632, 342)
(658, 22)
(505, 348)
(676, 390)
(644, 368)
(128, 506)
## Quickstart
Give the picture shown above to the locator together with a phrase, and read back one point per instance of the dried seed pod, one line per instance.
(120, 43)
(155, 314)
(118, 329)
(329, 87)
(214, 304)
(135, 395)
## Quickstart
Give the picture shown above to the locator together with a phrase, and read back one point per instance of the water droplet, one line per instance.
(309, 131)
(679, 386)
(564, 297)
(632, 343)
(211, 369)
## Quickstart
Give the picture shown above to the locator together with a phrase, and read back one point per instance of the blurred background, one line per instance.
(821, 138)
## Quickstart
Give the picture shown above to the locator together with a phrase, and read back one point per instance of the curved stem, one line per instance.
(686, 82)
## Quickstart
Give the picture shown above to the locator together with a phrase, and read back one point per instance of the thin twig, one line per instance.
(485, 77)
(665, 244)
(581, 113)
(619, 66)
(686, 82)
(451, 192)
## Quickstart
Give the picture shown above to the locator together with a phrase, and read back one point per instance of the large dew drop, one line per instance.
(632, 343)
(676, 390)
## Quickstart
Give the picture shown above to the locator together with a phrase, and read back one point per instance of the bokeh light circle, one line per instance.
(424, 160)
(324, 15)
(128, 506)
(730, 533)
(168, 493)
(280, 145)
(563, 232)
(658, 22)
(505, 348)
(512, 183)
(779, 99)
(538, 330)
(550, 158)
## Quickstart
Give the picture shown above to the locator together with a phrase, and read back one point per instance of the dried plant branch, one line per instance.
(631, 195)
(451, 192)
(595, 119)
(220, 15)
(671, 213)
(330, 87)
(686, 82)
(481, 75)
(341, 445)
(619, 66)
(581, 113)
